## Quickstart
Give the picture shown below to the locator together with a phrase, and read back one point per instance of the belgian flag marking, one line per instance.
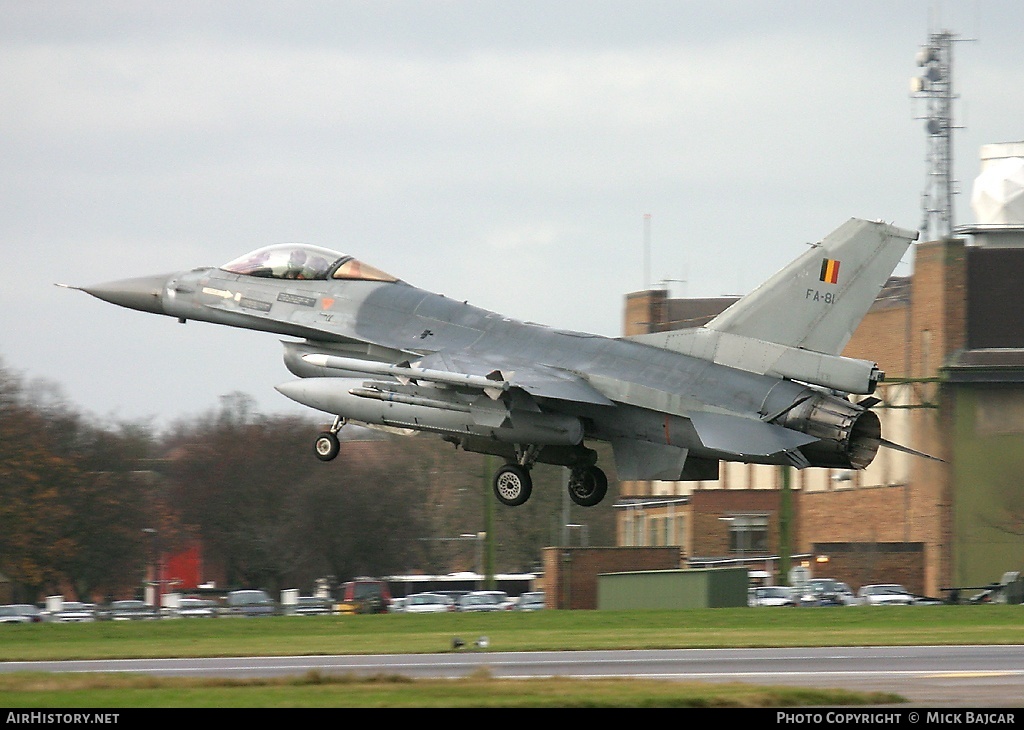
(830, 271)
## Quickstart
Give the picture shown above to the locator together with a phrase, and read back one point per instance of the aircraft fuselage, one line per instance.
(653, 393)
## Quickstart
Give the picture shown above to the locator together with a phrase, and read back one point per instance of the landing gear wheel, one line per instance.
(326, 446)
(513, 485)
(587, 486)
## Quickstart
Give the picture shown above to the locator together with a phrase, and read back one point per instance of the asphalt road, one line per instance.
(929, 676)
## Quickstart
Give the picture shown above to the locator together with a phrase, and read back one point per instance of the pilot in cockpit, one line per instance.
(296, 261)
(316, 268)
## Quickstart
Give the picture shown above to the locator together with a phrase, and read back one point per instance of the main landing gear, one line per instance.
(587, 485)
(513, 484)
(327, 446)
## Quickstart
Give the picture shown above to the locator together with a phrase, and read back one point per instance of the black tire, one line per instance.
(587, 486)
(326, 446)
(513, 485)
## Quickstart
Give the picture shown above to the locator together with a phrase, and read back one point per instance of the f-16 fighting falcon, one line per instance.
(761, 383)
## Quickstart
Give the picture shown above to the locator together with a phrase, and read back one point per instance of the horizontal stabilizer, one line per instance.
(642, 460)
(746, 436)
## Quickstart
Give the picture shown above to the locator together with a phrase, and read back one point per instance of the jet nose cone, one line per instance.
(144, 293)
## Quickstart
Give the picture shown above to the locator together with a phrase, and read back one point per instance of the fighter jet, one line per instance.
(762, 383)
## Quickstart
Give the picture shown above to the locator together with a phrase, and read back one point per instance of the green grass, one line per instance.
(543, 630)
(35, 690)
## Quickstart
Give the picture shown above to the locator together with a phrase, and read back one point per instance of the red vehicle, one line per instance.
(364, 595)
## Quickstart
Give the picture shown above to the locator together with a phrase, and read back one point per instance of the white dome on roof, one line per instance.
(998, 194)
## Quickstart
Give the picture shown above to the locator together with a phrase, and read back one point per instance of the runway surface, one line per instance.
(928, 676)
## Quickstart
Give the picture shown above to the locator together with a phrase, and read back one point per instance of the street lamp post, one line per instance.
(154, 552)
(584, 538)
(479, 537)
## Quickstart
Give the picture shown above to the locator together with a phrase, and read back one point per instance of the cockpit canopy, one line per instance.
(301, 261)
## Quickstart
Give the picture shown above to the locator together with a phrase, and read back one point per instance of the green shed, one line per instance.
(696, 588)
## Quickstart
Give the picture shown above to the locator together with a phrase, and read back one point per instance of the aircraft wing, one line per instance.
(540, 381)
(491, 375)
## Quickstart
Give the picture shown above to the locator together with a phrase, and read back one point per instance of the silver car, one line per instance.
(249, 602)
(428, 603)
(130, 610)
(486, 601)
(826, 592)
(313, 606)
(194, 608)
(532, 601)
(19, 613)
(771, 596)
(74, 612)
(885, 594)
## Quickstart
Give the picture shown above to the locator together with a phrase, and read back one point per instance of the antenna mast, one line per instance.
(935, 86)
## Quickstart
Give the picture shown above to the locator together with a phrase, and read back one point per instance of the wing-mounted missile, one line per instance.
(493, 384)
(533, 379)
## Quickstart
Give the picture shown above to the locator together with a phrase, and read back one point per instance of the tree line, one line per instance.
(84, 503)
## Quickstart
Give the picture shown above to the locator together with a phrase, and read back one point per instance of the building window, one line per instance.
(747, 533)
(657, 531)
(636, 526)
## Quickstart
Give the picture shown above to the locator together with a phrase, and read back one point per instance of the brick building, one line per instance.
(950, 339)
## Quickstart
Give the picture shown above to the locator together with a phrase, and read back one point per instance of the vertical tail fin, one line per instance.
(817, 301)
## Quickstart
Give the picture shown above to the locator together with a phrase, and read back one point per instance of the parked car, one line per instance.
(428, 603)
(249, 602)
(531, 601)
(454, 595)
(397, 605)
(20, 613)
(194, 608)
(313, 606)
(826, 592)
(485, 601)
(130, 610)
(74, 612)
(364, 595)
(771, 596)
(885, 594)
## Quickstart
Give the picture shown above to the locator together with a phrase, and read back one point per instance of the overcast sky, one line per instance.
(500, 152)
